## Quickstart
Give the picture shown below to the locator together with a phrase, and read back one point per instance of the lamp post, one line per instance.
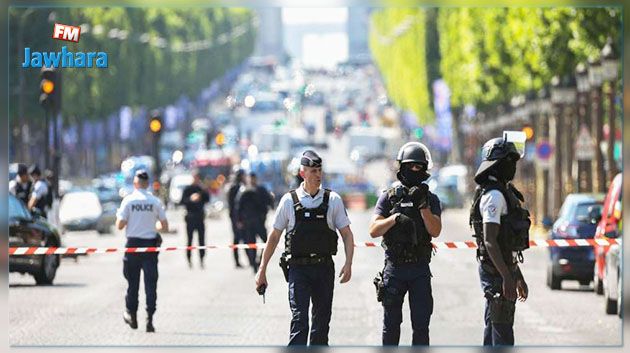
(610, 67)
(543, 110)
(595, 82)
(584, 170)
(555, 134)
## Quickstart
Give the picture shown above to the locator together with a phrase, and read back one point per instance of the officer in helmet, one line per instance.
(501, 227)
(407, 216)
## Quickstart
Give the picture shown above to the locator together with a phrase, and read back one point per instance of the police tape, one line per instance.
(23, 251)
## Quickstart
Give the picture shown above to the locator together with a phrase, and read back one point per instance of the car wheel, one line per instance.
(553, 281)
(610, 304)
(48, 270)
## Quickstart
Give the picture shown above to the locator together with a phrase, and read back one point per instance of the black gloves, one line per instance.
(420, 195)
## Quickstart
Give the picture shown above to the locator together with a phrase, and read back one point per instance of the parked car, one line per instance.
(574, 222)
(609, 219)
(25, 230)
(81, 210)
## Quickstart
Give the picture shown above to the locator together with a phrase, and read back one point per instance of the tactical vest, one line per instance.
(311, 236)
(406, 245)
(23, 193)
(514, 229)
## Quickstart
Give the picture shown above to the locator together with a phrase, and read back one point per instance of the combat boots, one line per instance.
(130, 319)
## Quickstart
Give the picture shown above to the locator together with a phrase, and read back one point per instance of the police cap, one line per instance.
(311, 159)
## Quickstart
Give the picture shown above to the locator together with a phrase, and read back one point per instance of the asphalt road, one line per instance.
(219, 306)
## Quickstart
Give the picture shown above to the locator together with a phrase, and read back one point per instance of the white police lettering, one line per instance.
(406, 204)
(142, 207)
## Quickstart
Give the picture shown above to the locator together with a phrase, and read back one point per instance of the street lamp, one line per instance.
(595, 81)
(610, 67)
(584, 170)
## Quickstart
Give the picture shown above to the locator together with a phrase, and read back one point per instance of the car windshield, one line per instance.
(17, 209)
(581, 211)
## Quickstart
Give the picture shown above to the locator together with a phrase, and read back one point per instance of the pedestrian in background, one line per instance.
(237, 181)
(194, 198)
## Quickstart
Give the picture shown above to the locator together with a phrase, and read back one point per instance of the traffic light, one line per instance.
(529, 132)
(220, 139)
(155, 127)
(418, 132)
(50, 89)
(155, 123)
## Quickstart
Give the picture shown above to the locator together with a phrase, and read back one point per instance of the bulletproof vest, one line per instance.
(23, 193)
(514, 229)
(311, 235)
(406, 245)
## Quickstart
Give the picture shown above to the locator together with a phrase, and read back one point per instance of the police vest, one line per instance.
(23, 193)
(406, 245)
(311, 235)
(514, 229)
(42, 203)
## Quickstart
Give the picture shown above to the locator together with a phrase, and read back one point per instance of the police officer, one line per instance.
(39, 194)
(21, 186)
(310, 215)
(237, 182)
(194, 197)
(501, 228)
(139, 212)
(407, 216)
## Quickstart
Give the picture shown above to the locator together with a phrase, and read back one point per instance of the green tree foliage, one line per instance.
(155, 55)
(488, 55)
(397, 42)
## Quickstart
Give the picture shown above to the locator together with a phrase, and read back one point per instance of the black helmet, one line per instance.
(414, 152)
(492, 152)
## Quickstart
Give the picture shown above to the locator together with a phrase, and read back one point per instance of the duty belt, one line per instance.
(312, 260)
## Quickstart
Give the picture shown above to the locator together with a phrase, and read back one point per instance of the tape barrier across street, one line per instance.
(22, 251)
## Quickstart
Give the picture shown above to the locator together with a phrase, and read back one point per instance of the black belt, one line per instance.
(311, 260)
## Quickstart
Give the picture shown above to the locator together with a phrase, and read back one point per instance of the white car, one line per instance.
(176, 187)
(81, 210)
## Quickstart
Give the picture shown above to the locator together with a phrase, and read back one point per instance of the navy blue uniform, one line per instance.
(400, 278)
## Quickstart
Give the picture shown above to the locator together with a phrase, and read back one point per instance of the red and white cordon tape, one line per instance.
(21, 251)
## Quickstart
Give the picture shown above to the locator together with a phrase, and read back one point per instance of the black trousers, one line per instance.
(195, 223)
(311, 283)
(238, 238)
(133, 264)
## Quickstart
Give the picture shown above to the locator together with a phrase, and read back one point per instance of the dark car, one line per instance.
(29, 230)
(574, 222)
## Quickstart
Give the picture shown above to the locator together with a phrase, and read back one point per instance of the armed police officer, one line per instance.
(407, 216)
(310, 215)
(22, 185)
(139, 213)
(501, 227)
